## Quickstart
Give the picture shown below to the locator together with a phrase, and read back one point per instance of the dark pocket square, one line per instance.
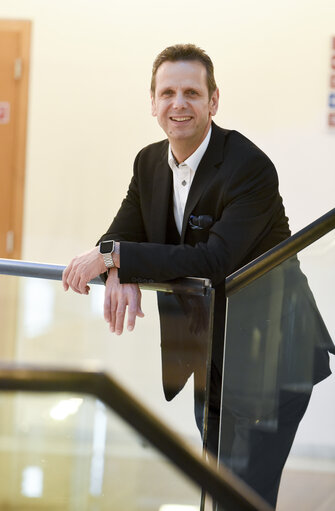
(200, 222)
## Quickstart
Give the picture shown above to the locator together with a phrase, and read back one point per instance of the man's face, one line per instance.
(181, 102)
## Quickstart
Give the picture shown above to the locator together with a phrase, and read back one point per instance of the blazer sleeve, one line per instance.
(251, 209)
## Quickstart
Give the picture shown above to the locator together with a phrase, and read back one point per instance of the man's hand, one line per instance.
(117, 298)
(82, 269)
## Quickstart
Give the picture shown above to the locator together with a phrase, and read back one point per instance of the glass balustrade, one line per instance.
(278, 330)
(68, 452)
(42, 325)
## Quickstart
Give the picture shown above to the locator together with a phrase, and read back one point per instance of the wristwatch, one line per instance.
(106, 250)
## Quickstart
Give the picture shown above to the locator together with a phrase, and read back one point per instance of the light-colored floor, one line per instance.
(304, 490)
(306, 485)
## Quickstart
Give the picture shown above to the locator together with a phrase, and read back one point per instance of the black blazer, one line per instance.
(235, 185)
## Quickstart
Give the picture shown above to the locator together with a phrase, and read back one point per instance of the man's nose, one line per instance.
(179, 100)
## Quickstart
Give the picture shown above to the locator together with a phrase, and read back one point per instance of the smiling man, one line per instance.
(183, 105)
(200, 172)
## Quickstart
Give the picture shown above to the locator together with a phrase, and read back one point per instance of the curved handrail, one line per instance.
(280, 253)
(17, 268)
(228, 490)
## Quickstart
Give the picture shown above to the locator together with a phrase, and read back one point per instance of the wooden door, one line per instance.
(14, 70)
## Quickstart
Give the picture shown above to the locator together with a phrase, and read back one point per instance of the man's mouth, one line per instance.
(180, 119)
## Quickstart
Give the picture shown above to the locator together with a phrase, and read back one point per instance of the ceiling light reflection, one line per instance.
(38, 307)
(177, 507)
(65, 408)
(32, 482)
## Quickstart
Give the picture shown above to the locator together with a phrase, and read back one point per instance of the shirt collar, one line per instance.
(195, 158)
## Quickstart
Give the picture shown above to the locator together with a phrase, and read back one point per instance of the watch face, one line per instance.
(106, 247)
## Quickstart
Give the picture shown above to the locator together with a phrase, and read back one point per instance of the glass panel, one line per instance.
(44, 325)
(68, 452)
(278, 333)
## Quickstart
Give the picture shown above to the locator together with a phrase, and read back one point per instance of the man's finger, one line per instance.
(132, 313)
(64, 278)
(82, 285)
(107, 305)
(69, 276)
(112, 321)
(119, 318)
(140, 313)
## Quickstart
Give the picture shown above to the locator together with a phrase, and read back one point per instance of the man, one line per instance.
(202, 203)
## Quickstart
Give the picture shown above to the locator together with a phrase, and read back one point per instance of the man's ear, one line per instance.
(153, 105)
(214, 102)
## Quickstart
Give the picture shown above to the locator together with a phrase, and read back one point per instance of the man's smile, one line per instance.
(180, 119)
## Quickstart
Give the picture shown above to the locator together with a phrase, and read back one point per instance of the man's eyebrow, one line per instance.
(165, 89)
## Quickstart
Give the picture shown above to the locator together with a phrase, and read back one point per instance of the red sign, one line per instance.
(331, 95)
(4, 112)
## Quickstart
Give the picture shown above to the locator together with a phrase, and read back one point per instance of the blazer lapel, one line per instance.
(204, 174)
(162, 183)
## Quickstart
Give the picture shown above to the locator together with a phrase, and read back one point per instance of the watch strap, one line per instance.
(108, 260)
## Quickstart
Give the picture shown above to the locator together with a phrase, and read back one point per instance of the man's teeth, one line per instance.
(180, 119)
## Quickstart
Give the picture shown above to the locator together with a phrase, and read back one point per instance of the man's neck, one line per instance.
(182, 149)
(181, 152)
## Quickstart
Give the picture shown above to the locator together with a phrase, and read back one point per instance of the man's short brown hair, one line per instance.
(185, 52)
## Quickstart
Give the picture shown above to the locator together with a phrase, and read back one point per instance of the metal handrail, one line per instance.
(193, 285)
(229, 491)
(280, 253)
(188, 285)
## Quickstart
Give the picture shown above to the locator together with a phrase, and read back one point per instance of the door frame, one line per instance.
(23, 28)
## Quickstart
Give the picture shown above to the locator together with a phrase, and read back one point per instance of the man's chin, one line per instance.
(180, 133)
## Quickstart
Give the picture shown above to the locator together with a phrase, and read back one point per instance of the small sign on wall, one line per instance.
(4, 112)
(331, 95)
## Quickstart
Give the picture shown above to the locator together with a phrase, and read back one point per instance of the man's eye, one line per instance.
(167, 92)
(192, 92)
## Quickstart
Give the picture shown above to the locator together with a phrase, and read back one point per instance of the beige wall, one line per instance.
(89, 109)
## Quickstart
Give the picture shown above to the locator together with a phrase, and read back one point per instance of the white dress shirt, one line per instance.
(183, 175)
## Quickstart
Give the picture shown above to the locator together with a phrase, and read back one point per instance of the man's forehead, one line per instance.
(181, 70)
